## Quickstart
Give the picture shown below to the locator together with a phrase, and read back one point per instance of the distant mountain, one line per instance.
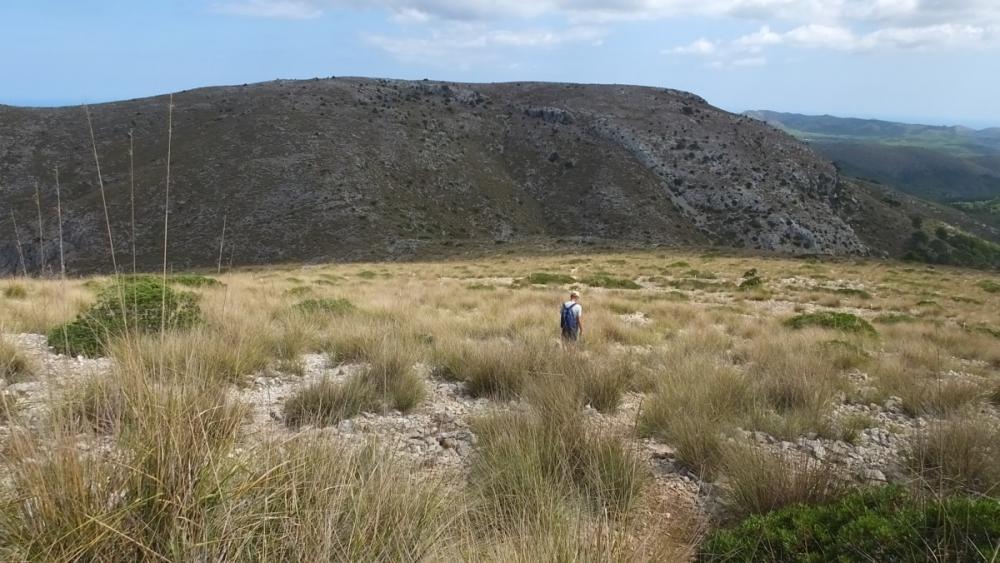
(945, 164)
(372, 169)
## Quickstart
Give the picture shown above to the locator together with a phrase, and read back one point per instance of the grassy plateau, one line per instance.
(429, 411)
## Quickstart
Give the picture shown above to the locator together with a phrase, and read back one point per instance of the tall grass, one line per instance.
(959, 452)
(541, 468)
(758, 481)
(387, 381)
(14, 366)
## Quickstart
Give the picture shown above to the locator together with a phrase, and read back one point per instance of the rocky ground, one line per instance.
(437, 435)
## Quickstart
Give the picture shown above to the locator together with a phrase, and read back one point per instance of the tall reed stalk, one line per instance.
(131, 192)
(17, 240)
(62, 257)
(41, 232)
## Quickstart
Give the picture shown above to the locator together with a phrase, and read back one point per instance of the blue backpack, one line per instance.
(568, 319)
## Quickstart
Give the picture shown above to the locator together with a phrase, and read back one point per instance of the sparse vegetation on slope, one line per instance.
(846, 322)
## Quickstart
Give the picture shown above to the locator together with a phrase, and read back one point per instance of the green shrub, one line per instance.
(701, 274)
(15, 291)
(337, 306)
(894, 318)
(609, 282)
(545, 278)
(750, 280)
(299, 291)
(193, 280)
(832, 320)
(137, 303)
(882, 524)
(984, 329)
(989, 286)
(851, 292)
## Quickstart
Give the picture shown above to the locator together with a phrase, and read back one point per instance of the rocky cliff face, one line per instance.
(344, 169)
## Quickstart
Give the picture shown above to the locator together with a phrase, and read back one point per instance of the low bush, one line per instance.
(846, 322)
(193, 280)
(299, 291)
(894, 318)
(545, 278)
(337, 306)
(748, 283)
(136, 304)
(989, 286)
(15, 291)
(610, 282)
(882, 524)
(851, 292)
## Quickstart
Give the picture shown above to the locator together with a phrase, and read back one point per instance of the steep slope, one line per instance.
(344, 169)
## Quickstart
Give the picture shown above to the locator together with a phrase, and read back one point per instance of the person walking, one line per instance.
(570, 318)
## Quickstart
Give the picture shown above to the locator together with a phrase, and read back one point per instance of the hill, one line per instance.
(944, 164)
(354, 168)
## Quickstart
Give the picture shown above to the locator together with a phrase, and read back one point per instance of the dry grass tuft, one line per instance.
(959, 452)
(758, 481)
(14, 366)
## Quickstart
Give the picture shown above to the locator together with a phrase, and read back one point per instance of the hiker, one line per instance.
(570, 319)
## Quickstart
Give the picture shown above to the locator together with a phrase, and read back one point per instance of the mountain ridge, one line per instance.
(379, 169)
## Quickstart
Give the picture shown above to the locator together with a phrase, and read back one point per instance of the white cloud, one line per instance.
(471, 42)
(843, 25)
(820, 36)
(698, 47)
(273, 9)
(900, 13)
(746, 50)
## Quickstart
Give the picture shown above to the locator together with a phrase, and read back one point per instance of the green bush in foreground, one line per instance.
(834, 320)
(138, 303)
(882, 524)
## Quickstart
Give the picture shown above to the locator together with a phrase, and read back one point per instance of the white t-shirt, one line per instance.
(577, 309)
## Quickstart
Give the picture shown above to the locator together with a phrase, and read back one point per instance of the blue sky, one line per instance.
(934, 61)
